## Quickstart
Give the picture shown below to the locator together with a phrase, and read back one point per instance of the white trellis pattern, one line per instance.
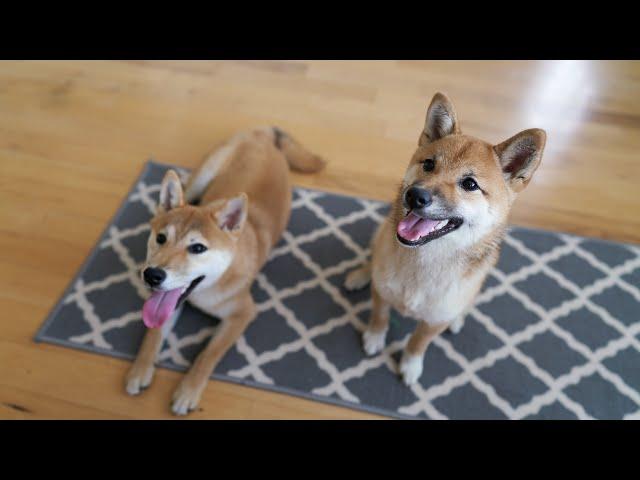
(554, 334)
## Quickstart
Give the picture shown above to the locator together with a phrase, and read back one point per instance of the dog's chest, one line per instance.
(425, 288)
(213, 300)
(414, 290)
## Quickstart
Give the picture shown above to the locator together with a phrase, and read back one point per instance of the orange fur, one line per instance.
(435, 280)
(245, 204)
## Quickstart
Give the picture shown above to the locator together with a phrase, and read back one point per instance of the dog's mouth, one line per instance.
(414, 230)
(162, 303)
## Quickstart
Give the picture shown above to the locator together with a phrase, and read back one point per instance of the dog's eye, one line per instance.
(428, 165)
(196, 248)
(469, 184)
(161, 238)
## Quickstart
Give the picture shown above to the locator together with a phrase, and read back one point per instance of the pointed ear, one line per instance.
(441, 120)
(233, 214)
(520, 156)
(171, 191)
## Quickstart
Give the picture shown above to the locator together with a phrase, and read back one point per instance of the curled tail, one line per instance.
(298, 157)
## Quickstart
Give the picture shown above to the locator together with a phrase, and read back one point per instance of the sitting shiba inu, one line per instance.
(210, 254)
(432, 253)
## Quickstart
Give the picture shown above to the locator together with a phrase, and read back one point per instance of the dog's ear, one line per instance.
(233, 214)
(441, 120)
(171, 195)
(520, 156)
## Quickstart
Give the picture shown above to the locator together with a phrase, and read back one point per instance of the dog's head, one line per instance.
(457, 189)
(189, 246)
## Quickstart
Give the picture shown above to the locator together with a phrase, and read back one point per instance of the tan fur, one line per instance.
(436, 282)
(422, 336)
(247, 177)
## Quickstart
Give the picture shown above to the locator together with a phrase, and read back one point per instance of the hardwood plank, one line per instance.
(94, 382)
(17, 404)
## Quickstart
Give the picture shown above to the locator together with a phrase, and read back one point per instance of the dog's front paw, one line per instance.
(411, 368)
(373, 342)
(186, 397)
(138, 378)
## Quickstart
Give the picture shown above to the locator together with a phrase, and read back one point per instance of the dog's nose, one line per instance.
(417, 197)
(154, 276)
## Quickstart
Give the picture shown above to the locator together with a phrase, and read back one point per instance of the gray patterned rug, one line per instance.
(555, 333)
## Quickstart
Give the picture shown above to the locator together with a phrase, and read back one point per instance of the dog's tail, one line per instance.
(298, 157)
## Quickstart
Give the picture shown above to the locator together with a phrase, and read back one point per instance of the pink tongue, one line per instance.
(159, 307)
(412, 227)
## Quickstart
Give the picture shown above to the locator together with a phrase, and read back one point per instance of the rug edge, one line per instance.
(40, 333)
(389, 414)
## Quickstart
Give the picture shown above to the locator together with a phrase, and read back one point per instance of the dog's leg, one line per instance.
(458, 323)
(141, 372)
(187, 396)
(374, 336)
(358, 278)
(413, 355)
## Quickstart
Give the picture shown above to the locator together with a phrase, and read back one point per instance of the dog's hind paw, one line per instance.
(138, 378)
(357, 279)
(373, 342)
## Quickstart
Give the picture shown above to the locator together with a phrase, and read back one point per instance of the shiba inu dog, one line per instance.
(432, 253)
(209, 254)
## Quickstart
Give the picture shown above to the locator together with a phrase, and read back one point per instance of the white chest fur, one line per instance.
(215, 301)
(426, 283)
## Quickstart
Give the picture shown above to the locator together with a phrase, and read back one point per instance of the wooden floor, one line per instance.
(74, 135)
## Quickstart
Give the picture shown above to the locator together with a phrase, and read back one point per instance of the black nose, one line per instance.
(417, 197)
(154, 276)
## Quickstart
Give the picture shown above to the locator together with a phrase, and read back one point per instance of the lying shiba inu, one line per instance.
(432, 253)
(209, 254)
